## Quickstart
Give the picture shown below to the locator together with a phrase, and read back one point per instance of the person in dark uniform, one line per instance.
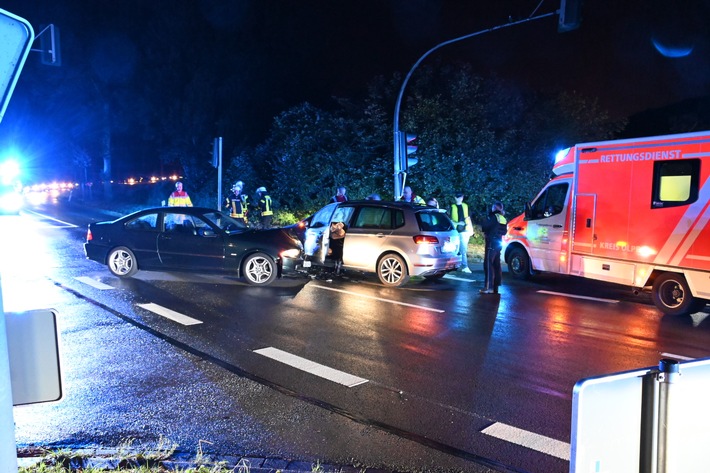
(494, 227)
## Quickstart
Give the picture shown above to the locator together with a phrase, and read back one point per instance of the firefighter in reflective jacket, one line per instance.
(266, 213)
(237, 202)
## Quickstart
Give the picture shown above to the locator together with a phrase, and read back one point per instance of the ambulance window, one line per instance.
(675, 182)
(550, 202)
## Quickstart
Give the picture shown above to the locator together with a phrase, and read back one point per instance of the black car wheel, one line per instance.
(392, 270)
(259, 269)
(122, 262)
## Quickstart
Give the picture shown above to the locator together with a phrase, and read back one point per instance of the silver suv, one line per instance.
(395, 240)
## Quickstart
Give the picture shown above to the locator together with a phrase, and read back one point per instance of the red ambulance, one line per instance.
(633, 212)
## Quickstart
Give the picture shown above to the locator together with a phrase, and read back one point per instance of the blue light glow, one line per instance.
(561, 155)
(672, 51)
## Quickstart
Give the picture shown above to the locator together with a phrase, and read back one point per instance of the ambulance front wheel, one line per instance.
(672, 295)
(519, 264)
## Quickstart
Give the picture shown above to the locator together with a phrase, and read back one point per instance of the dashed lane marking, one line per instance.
(599, 299)
(312, 367)
(94, 283)
(530, 440)
(170, 314)
(390, 301)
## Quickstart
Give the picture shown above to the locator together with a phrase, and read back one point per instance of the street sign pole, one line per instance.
(8, 447)
(217, 162)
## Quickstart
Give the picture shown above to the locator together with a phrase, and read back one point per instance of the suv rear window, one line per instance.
(434, 221)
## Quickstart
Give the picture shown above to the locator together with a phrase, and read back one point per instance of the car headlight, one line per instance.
(292, 253)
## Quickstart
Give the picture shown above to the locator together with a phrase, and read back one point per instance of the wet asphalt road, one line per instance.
(440, 363)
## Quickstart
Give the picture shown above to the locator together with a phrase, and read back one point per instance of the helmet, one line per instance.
(261, 189)
(238, 184)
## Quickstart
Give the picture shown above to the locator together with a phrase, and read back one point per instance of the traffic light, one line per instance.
(217, 152)
(411, 146)
(570, 15)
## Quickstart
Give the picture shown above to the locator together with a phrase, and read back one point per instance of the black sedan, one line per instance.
(192, 238)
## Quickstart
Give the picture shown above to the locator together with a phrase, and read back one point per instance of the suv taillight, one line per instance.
(426, 240)
(89, 236)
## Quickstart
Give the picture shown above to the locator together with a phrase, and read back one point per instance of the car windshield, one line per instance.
(225, 222)
(434, 221)
(322, 217)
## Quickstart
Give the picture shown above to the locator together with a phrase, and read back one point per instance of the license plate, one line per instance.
(306, 264)
(448, 246)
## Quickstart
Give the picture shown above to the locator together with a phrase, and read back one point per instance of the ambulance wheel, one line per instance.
(519, 264)
(672, 295)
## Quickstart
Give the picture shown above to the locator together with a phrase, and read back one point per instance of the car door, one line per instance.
(546, 227)
(317, 235)
(184, 243)
(140, 235)
(366, 235)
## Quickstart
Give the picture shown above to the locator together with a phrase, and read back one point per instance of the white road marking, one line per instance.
(676, 357)
(93, 283)
(170, 314)
(312, 367)
(530, 440)
(65, 224)
(379, 299)
(599, 299)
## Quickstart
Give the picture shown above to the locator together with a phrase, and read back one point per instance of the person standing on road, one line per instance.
(339, 195)
(461, 217)
(494, 227)
(263, 204)
(236, 202)
(179, 197)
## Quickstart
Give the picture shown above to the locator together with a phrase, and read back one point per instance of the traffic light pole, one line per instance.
(400, 149)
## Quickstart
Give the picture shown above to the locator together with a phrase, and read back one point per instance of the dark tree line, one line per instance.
(478, 135)
(161, 91)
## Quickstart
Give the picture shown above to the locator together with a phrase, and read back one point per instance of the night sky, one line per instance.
(632, 55)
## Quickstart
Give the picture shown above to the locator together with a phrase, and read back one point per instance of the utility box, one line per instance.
(33, 349)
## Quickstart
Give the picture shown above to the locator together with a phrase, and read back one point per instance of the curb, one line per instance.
(110, 461)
